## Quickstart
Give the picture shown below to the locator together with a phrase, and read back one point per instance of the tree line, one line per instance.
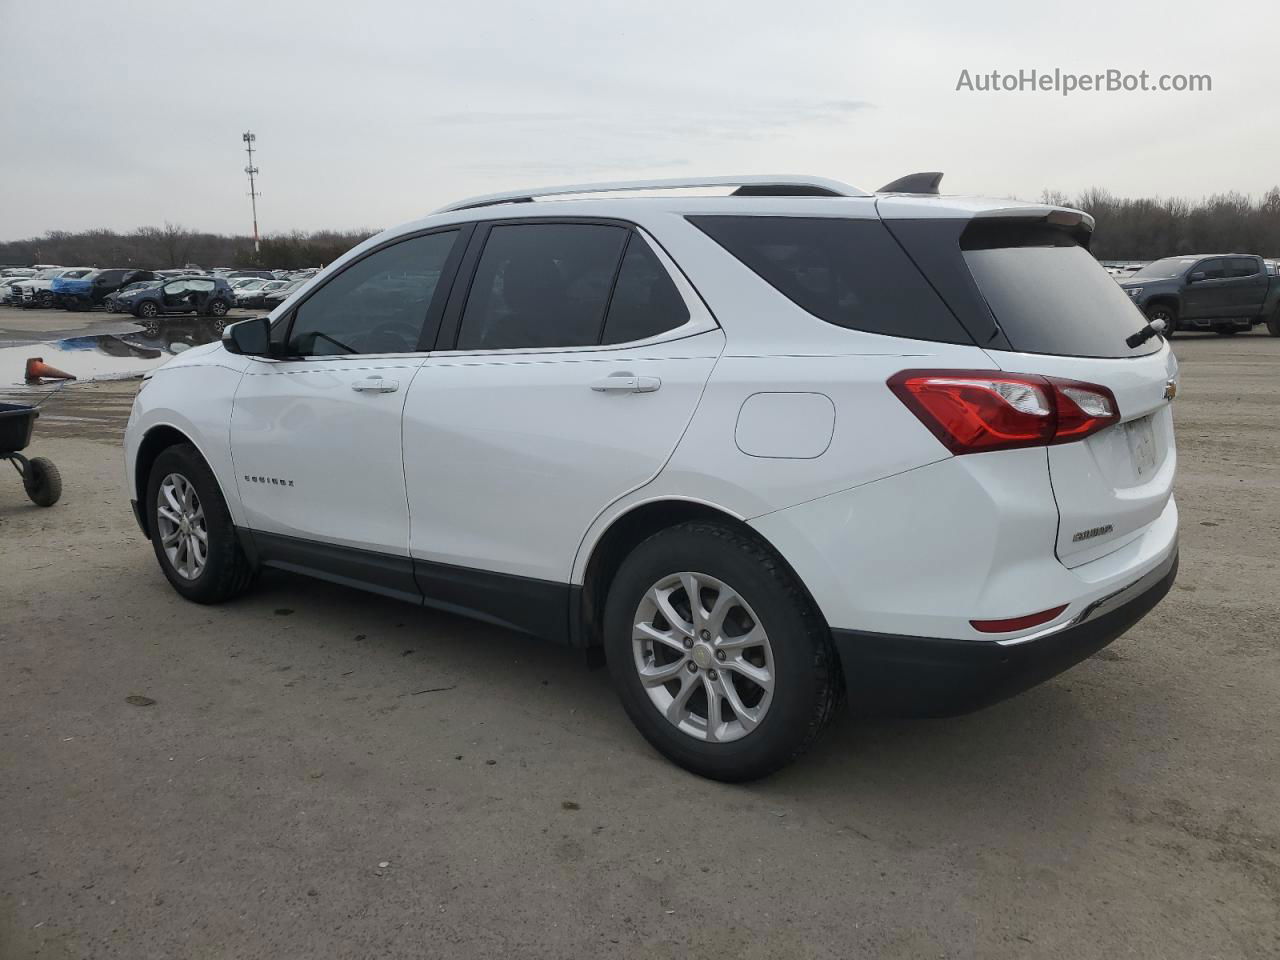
(1144, 228)
(1150, 228)
(175, 246)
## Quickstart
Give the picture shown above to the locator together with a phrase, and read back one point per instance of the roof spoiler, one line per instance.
(925, 183)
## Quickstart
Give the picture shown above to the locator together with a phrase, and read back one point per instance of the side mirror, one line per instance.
(249, 338)
(1196, 277)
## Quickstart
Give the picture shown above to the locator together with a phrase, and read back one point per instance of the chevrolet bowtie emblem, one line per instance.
(1170, 389)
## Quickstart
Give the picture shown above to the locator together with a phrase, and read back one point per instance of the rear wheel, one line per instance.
(719, 656)
(191, 529)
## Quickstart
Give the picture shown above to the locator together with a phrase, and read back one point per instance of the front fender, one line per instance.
(196, 401)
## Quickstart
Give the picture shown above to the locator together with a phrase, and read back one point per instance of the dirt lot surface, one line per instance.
(330, 774)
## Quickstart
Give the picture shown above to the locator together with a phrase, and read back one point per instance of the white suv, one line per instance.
(765, 449)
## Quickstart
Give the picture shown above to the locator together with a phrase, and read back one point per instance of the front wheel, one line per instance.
(718, 655)
(1162, 311)
(148, 310)
(191, 529)
(218, 308)
(1273, 325)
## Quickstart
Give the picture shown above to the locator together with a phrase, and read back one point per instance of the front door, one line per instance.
(315, 436)
(578, 362)
(1208, 292)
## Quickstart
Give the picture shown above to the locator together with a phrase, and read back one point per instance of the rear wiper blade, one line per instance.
(1146, 333)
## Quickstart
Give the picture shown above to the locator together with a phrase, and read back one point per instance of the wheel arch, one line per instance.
(154, 442)
(627, 531)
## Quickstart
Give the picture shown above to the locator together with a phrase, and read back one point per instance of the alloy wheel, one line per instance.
(703, 657)
(180, 521)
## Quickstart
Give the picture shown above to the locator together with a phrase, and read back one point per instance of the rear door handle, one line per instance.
(375, 385)
(626, 383)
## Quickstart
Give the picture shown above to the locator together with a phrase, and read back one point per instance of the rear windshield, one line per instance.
(1048, 293)
(851, 273)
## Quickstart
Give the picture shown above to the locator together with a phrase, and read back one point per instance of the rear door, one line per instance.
(1064, 317)
(1248, 286)
(579, 355)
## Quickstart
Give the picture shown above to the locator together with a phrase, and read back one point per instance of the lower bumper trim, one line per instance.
(891, 675)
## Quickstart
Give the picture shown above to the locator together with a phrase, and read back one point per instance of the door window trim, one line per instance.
(440, 297)
(701, 319)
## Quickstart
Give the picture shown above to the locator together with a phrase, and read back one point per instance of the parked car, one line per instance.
(89, 290)
(760, 449)
(252, 297)
(1225, 293)
(8, 291)
(16, 273)
(112, 301)
(273, 298)
(206, 296)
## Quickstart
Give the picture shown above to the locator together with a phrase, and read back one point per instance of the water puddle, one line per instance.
(110, 356)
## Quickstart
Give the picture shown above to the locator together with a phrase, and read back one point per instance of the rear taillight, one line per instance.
(973, 411)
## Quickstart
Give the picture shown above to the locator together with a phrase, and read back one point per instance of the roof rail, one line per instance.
(755, 186)
(923, 183)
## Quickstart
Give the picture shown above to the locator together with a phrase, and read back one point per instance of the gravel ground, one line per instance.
(330, 774)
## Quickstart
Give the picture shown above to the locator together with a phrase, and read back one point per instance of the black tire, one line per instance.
(218, 308)
(1167, 313)
(227, 571)
(147, 310)
(42, 482)
(808, 685)
(1273, 325)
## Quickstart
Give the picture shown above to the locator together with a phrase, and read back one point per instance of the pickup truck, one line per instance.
(1225, 293)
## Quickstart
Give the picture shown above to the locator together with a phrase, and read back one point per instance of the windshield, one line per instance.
(1165, 269)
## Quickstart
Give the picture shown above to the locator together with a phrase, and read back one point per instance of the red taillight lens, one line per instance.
(1017, 623)
(973, 411)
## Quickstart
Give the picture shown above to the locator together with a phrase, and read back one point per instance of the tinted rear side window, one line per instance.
(1048, 294)
(645, 302)
(851, 273)
(541, 285)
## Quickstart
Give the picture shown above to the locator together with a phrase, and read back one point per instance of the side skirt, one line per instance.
(526, 605)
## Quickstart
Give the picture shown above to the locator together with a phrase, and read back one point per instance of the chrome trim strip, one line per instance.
(1105, 604)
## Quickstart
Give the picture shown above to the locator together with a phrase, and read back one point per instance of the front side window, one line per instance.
(376, 305)
(1212, 269)
(175, 287)
(199, 286)
(541, 285)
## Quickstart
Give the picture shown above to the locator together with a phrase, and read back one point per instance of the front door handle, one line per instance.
(375, 385)
(626, 383)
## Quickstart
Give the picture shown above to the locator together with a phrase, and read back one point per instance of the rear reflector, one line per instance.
(974, 411)
(1016, 623)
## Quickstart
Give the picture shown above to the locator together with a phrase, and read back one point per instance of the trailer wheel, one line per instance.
(42, 481)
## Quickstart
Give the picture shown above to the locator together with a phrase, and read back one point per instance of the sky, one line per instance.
(371, 113)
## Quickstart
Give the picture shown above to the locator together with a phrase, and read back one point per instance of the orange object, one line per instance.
(37, 369)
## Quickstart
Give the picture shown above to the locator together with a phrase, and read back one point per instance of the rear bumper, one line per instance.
(921, 676)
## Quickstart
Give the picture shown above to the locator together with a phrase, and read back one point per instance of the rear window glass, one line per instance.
(1048, 293)
(851, 273)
